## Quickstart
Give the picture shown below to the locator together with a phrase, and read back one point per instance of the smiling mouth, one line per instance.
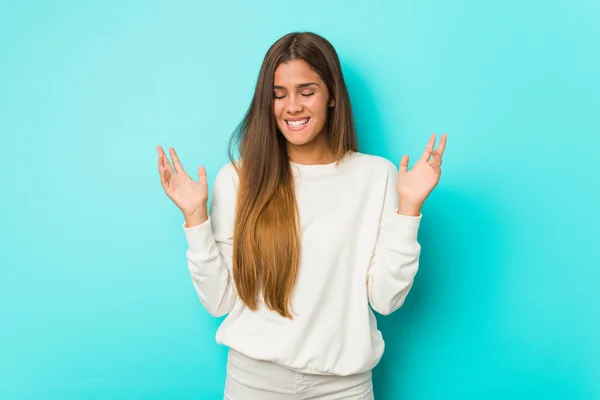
(297, 123)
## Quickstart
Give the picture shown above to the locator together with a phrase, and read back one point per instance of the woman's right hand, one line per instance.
(190, 196)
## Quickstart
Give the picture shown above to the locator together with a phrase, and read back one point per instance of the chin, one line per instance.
(298, 140)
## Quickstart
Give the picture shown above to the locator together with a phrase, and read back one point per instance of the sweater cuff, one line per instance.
(402, 226)
(199, 238)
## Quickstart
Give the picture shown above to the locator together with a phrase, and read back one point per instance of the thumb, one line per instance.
(202, 175)
(404, 163)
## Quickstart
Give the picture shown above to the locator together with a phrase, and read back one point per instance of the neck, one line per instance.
(315, 152)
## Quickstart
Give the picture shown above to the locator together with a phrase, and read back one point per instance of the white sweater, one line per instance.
(356, 251)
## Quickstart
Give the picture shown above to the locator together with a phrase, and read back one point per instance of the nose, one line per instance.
(293, 105)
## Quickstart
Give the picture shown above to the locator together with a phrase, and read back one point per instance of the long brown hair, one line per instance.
(266, 251)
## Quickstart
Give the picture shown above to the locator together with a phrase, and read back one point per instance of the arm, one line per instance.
(395, 260)
(210, 248)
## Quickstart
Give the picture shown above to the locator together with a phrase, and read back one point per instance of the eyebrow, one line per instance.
(300, 86)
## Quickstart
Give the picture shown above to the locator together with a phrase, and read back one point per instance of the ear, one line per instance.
(331, 102)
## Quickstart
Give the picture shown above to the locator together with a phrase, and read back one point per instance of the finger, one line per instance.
(163, 173)
(442, 144)
(436, 158)
(178, 167)
(162, 158)
(162, 170)
(404, 163)
(202, 175)
(159, 160)
(436, 166)
(425, 155)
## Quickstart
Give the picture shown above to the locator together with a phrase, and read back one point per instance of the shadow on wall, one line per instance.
(367, 118)
(455, 289)
(453, 292)
(456, 328)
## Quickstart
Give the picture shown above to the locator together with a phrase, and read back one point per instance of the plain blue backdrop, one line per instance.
(95, 298)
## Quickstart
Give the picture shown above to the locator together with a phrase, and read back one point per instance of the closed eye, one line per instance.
(303, 94)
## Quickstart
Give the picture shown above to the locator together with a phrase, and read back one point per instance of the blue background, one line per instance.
(95, 298)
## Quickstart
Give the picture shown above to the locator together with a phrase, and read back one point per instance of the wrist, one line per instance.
(195, 218)
(413, 210)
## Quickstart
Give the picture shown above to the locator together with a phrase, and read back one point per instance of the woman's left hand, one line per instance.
(415, 185)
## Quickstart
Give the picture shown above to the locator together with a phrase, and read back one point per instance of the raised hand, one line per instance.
(190, 196)
(415, 185)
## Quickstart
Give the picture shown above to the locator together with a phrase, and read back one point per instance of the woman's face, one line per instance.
(301, 102)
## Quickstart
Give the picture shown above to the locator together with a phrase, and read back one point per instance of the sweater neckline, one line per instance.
(317, 169)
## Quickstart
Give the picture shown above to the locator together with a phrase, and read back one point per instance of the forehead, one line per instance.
(295, 72)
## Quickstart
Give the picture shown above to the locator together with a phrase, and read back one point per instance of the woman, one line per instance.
(305, 234)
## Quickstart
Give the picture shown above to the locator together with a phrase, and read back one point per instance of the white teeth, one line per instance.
(297, 123)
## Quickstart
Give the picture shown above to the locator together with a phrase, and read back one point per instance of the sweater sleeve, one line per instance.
(395, 260)
(210, 247)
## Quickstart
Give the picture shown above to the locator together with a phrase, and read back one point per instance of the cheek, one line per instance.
(277, 108)
(318, 106)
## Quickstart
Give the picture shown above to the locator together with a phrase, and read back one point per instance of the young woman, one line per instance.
(305, 234)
